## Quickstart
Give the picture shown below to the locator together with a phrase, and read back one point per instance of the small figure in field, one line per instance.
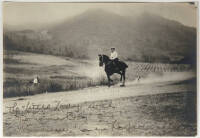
(36, 80)
(114, 57)
(31, 85)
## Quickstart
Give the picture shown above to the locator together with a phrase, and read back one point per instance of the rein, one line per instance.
(102, 60)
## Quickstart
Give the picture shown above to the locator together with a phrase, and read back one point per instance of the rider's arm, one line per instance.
(115, 55)
(111, 56)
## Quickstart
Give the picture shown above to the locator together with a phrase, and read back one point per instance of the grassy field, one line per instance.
(62, 73)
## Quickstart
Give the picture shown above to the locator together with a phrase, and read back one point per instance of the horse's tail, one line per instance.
(124, 65)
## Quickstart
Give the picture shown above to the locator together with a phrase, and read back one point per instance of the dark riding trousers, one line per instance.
(115, 61)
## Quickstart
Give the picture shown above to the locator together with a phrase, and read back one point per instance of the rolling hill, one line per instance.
(148, 38)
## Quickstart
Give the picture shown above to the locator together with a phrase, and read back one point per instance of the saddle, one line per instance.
(115, 63)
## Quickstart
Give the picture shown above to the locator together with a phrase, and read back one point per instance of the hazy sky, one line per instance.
(30, 15)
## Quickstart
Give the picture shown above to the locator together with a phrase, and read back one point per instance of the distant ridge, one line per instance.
(148, 37)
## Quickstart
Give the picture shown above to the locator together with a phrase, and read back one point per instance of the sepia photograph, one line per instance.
(99, 68)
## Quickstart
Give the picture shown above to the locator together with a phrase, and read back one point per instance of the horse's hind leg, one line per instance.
(124, 73)
(124, 78)
(121, 78)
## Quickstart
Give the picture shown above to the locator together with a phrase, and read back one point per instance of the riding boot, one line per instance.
(113, 63)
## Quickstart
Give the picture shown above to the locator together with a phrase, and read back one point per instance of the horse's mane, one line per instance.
(107, 57)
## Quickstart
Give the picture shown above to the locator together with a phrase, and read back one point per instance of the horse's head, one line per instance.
(101, 61)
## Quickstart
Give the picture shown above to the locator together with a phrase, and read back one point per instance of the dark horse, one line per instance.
(110, 68)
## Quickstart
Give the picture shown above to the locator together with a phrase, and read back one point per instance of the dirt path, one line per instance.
(97, 94)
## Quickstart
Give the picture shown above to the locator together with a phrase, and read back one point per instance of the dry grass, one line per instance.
(15, 87)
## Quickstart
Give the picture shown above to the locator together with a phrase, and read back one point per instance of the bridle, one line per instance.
(102, 59)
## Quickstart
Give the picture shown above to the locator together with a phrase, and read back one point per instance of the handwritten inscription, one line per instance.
(95, 118)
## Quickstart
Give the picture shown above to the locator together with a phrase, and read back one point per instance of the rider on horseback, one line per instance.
(114, 57)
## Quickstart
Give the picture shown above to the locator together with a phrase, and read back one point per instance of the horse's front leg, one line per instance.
(108, 76)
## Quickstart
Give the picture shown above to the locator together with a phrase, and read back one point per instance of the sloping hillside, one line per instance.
(148, 38)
